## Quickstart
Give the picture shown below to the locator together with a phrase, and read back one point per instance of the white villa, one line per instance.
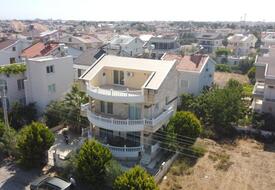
(130, 100)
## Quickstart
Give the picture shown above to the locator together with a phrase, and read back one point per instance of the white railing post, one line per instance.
(125, 148)
(127, 90)
(112, 120)
(111, 90)
(127, 122)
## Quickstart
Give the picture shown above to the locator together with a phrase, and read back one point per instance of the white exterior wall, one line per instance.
(13, 93)
(7, 53)
(197, 80)
(135, 46)
(36, 85)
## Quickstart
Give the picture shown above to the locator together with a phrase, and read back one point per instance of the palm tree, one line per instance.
(72, 103)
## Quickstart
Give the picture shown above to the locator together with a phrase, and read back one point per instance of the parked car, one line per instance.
(50, 183)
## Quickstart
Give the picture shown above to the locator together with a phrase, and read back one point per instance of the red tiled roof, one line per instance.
(39, 49)
(6, 43)
(187, 63)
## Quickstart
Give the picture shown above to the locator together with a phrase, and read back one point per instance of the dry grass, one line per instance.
(221, 78)
(243, 165)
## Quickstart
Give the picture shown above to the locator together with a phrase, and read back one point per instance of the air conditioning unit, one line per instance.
(130, 74)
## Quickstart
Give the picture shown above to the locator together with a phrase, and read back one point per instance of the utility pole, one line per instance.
(4, 102)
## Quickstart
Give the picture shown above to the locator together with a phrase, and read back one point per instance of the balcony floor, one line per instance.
(116, 87)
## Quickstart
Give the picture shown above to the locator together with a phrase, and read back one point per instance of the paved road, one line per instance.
(14, 178)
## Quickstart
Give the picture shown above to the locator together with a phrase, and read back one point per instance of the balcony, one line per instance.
(112, 93)
(258, 89)
(129, 125)
(257, 105)
(120, 147)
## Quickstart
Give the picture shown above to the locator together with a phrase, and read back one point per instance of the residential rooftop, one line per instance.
(192, 63)
(39, 49)
(6, 43)
(159, 68)
(268, 60)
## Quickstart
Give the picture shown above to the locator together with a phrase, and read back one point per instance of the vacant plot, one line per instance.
(221, 78)
(244, 165)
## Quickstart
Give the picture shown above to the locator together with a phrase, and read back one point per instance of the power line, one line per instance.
(182, 148)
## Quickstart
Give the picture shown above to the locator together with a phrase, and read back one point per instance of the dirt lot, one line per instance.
(221, 78)
(242, 166)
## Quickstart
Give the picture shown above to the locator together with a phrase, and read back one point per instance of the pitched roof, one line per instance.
(121, 39)
(158, 68)
(39, 49)
(89, 56)
(209, 36)
(192, 63)
(6, 43)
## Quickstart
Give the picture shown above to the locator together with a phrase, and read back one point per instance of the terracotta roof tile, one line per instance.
(39, 49)
(187, 63)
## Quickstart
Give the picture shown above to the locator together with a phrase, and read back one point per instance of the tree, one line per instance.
(185, 123)
(186, 101)
(34, 141)
(72, 102)
(135, 179)
(251, 75)
(113, 170)
(22, 115)
(91, 162)
(68, 110)
(54, 114)
(7, 140)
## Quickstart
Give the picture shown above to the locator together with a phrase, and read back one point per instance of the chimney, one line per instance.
(196, 58)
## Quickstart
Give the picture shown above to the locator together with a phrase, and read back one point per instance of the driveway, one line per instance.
(14, 178)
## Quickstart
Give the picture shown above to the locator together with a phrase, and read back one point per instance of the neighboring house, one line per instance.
(131, 99)
(56, 49)
(48, 79)
(241, 44)
(81, 42)
(210, 41)
(14, 83)
(268, 39)
(159, 45)
(128, 45)
(49, 35)
(195, 72)
(40, 49)
(85, 60)
(264, 89)
(10, 51)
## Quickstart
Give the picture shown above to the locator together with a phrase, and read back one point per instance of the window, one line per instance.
(102, 106)
(22, 101)
(79, 73)
(118, 77)
(184, 84)
(14, 48)
(166, 100)
(12, 60)
(50, 69)
(70, 39)
(81, 48)
(20, 84)
(51, 88)
(109, 107)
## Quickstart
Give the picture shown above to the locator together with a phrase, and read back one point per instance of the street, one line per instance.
(14, 178)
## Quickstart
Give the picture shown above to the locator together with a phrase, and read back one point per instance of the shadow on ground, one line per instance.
(14, 178)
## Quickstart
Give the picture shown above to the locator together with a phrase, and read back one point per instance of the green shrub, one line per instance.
(223, 68)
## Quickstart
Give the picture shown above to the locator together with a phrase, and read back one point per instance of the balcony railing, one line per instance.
(258, 89)
(124, 152)
(125, 95)
(127, 124)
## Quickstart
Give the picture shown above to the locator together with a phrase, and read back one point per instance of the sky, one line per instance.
(139, 10)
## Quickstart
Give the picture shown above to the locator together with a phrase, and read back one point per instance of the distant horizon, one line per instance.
(139, 11)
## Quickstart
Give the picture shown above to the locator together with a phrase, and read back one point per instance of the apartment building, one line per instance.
(195, 72)
(241, 44)
(264, 89)
(159, 45)
(210, 41)
(127, 45)
(130, 100)
(47, 79)
(268, 39)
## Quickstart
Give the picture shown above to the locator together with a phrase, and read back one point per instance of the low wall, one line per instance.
(164, 168)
